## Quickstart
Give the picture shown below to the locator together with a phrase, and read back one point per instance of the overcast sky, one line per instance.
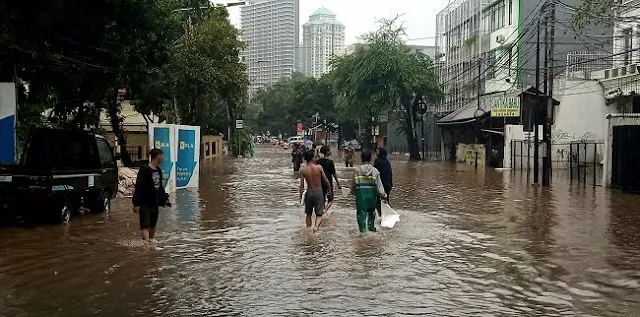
(359, 16)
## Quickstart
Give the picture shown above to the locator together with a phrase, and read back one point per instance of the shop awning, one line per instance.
(472, 111)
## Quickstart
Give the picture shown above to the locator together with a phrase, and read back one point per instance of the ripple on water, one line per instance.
(469, 244)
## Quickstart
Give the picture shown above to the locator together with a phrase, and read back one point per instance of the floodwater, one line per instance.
(470, 243)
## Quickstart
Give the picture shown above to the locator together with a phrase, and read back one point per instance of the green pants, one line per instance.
(366, 201)
(366, 219)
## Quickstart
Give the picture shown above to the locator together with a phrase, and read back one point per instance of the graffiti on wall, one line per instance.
(562, 141)
(560, 135)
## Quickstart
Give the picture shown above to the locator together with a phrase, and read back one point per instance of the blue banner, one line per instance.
(187, 159)
(162, 141)
(7, 123)
(8, 140)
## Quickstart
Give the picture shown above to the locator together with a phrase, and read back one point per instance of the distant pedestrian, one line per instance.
(296, 156)
(383, 166)
(348, 156)
(314, 176)
(367, 187)
(149, 194)
(329, 168)
(318, 146)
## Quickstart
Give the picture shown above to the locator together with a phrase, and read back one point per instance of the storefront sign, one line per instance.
(505, 107)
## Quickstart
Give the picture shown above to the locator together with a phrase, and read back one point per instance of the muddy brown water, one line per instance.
(469, 243)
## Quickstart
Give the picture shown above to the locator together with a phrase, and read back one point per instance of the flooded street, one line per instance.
(469, 243)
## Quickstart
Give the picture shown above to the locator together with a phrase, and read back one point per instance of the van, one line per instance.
(61, 173)
(295, 139)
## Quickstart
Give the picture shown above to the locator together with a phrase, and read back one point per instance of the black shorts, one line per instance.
(148, 217)
(314, 202)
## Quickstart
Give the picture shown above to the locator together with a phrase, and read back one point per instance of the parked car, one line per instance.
(353, 144)
(61, 173)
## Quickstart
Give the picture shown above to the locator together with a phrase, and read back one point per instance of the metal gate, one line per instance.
(625, 169)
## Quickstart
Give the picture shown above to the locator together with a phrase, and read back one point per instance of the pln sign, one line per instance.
(505, 107)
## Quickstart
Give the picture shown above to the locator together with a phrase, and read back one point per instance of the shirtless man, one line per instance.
(313, 174)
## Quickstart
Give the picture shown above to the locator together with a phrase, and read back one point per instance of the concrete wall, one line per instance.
(578, 118)
(137, 144)
(212, 146)
(608, 143)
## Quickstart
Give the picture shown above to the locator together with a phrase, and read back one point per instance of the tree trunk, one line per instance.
(113, 106)
(231, 127)
(367, 144)
(412, 140)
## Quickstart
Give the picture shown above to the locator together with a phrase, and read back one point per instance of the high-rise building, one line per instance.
(322, 37)
(271, 31)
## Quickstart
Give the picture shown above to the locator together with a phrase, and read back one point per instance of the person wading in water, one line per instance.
(367, 187)
(314, 176)
(383, 166)
(149, 194)
(296, 155)
(329, 167)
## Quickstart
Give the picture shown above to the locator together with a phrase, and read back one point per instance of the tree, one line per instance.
(208, 76)
(294, 100)
(594, 12)
(77, 55)
(384, 74)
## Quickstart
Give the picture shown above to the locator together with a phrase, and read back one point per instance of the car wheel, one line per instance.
(104, 203)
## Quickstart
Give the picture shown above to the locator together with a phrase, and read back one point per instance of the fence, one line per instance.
(431, 154)
(580, 161)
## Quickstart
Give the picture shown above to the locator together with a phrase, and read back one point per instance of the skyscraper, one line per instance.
(271, 30)
(322, 37)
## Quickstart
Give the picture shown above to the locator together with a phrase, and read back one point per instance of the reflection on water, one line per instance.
(470, 243)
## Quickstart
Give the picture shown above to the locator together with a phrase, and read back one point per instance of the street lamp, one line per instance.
(422, 111)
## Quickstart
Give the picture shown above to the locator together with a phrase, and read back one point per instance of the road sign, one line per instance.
(239, 124)
(300, 128)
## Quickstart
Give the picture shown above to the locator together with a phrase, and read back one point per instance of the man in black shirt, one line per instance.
(383, 166)
(150, 194)
(329, 167)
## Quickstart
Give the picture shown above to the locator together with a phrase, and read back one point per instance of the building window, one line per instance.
(497, 16)
(510, 12)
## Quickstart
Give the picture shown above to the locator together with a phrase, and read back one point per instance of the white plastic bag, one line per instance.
(304, 194)
(389, 216)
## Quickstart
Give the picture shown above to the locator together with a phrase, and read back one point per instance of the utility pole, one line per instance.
(546, 164)
(477, 123)
(534, 114)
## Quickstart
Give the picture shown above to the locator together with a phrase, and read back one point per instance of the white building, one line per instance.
(490, 45)
(322, 37)
(271, 30)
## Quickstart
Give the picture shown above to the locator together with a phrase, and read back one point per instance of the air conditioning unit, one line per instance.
(500, 39)
(614, 93)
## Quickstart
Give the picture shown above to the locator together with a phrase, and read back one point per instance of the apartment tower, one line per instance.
(271, 30)
(322, 37)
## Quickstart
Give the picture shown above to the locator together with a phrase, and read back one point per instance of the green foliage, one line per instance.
(595, 12)
(280, 107)
(242, 144)
(382, 75)
(169, 54)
